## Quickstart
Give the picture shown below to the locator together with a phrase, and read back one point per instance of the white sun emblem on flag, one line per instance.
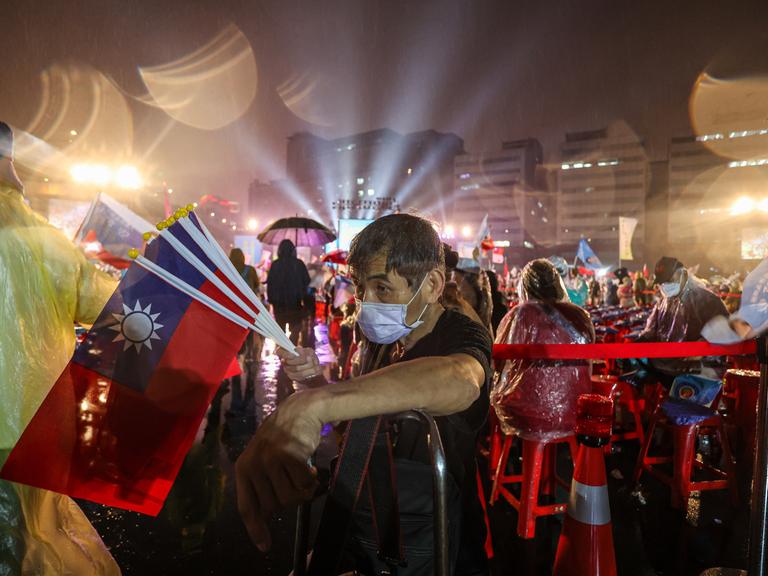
(136, 327)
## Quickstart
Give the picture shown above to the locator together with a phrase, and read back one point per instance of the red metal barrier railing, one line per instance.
(624, 350)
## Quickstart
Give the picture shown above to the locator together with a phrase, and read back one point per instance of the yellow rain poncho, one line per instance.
(46, 285)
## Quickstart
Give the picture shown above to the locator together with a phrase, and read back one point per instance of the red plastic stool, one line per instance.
(740, 388)
(481, 495)
(626, 396)
(495, 442)
(684, 459)
(538, 476)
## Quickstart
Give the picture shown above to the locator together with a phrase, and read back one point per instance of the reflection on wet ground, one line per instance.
(199, 530)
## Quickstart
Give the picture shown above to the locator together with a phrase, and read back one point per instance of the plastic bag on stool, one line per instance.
(536, 399)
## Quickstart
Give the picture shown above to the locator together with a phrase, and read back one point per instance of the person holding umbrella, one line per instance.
(287, 285)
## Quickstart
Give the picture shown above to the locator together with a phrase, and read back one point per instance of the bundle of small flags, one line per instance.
(118, 422)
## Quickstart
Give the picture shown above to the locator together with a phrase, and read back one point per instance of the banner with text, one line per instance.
(626, 231)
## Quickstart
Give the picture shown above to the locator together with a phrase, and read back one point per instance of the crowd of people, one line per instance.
(412, 325)
(417, 333)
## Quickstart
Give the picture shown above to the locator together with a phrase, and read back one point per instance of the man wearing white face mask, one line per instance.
(416, 354)
(685, 305)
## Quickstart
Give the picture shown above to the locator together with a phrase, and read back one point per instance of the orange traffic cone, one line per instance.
(586, 542)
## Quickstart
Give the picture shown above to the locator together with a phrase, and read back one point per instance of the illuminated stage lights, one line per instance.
(126, 176)
(746, 205)
(386, 203)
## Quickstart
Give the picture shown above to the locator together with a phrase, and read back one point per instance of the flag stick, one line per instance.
(214, 251)
(185, 253)
(204, 299)
(182, 286)
(194, 261)
(226, 265)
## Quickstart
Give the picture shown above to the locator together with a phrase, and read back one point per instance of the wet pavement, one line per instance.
(199, 531)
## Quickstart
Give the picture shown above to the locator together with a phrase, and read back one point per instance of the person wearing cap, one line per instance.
(536, 399)
(46, 285)
(686, 305)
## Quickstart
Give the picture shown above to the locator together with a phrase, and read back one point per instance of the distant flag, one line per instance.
(588, 256)
(483, 238)
(626, 231)
(118, 422)
(113, 225)
(344, 292)
(93, 249)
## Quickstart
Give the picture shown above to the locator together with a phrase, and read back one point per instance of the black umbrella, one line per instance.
(300, 231)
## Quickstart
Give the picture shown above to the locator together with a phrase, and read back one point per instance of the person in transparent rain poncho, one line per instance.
(46, 285)
(685, 307)
(536, 399)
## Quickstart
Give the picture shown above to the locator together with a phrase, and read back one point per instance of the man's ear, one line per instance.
(435, 284)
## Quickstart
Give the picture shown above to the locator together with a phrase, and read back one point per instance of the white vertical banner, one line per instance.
(626, 231)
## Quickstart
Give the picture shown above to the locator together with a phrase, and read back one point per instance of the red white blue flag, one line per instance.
(121, 417)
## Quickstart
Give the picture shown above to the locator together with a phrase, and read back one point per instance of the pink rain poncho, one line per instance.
(536, 399)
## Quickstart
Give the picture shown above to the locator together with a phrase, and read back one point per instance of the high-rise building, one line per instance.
(718, 206)
(502, 185)
(602, 176)
(367, 175)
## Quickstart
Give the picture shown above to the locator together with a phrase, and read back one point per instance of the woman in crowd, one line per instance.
(640, 288)
(594, 292)
(475, 289)
(500, 306)
(536, 399)
(254, 342)
(578, 292)
(611, 297)
(626, 293)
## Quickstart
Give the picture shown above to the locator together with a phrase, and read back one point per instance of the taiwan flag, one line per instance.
(118, 422)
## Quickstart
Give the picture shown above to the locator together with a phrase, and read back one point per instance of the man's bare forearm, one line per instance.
(439, 385)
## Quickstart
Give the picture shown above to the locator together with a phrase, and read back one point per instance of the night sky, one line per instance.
(486, 70)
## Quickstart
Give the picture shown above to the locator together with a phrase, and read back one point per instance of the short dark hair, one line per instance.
(451, 257)
(411, 244)
(6, 140)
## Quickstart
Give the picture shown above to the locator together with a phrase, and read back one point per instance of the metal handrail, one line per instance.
(439, 498)
(758, 553)
(439, 488)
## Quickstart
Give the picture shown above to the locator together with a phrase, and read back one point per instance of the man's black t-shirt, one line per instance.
(453, 333)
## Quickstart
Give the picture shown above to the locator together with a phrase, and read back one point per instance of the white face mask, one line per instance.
(385, 323)
(670, 289)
